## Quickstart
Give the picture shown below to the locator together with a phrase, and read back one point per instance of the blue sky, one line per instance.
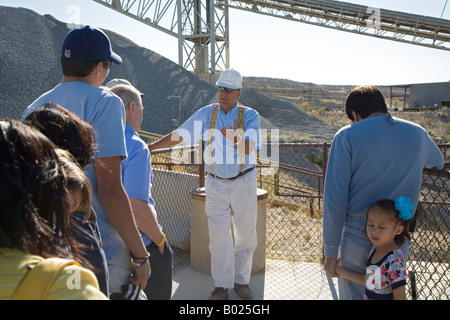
(273, 47)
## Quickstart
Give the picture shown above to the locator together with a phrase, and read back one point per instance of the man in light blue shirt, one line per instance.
(86, 58)
(231, 134)
(376, 157)
(137, 181)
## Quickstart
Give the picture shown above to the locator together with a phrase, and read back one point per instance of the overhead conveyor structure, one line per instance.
(202, 26)
(366, 20)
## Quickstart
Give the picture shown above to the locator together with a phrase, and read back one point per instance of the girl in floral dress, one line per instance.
(387, 227)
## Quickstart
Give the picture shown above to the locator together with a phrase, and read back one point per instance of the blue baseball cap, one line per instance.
(88, 43)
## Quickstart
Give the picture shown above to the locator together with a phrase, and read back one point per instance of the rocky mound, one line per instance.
(29, 66)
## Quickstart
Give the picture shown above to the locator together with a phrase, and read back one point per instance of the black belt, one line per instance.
(235, 177)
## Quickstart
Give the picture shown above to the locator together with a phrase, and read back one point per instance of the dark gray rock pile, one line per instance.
(29, 66)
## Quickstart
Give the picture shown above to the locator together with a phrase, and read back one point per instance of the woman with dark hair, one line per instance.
(66, 130)
(69, 132)
(34, 217)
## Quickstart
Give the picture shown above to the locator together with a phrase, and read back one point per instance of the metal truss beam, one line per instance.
(202, 27)
(370, 21)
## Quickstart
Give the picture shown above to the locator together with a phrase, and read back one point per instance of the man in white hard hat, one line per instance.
(231, 134)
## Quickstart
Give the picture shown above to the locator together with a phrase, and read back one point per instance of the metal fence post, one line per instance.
(201, 168)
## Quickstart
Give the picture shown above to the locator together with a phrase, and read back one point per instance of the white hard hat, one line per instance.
(230, 79)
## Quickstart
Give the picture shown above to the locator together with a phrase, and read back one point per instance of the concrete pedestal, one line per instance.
(200, 255)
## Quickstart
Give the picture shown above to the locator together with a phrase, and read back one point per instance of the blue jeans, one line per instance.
(86, 235)
(354, 252)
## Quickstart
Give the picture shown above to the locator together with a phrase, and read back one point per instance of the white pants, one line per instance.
(231, 202)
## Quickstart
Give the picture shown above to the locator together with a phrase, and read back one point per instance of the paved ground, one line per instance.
(281, 280)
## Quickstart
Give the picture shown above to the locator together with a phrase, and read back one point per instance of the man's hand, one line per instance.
(141, 275)
(330, 267)
(233, 134)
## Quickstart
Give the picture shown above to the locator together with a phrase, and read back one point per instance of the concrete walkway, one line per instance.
(281, 280)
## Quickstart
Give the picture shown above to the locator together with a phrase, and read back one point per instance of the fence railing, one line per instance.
(294, 212)
(429, 260)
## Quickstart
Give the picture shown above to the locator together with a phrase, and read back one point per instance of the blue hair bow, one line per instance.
(405, 207)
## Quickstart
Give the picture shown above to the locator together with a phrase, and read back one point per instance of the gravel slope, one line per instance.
(29, 66)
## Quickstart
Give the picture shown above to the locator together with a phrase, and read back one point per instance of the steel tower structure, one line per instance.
(202, 28)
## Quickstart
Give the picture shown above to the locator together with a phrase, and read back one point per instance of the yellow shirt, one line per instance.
(14, 266)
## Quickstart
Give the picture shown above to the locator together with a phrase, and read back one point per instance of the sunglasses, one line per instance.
(227, 90)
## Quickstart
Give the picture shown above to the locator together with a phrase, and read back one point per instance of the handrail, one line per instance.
(175, 148)
(151, 135)
(441, 173)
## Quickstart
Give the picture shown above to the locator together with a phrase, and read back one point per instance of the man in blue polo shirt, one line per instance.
(231, 133)
(137, 181)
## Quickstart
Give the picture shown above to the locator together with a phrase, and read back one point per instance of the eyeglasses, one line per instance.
(227, 90)
(107, 63)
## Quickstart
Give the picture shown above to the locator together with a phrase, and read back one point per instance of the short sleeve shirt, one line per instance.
(14, 265)
(137, 171)
(106, 113)
(384, 276)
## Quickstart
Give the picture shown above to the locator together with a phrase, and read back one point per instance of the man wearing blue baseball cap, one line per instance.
(86, 58)
(88, 44)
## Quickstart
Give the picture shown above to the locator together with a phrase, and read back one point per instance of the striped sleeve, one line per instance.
(75, 283)
(72, 282)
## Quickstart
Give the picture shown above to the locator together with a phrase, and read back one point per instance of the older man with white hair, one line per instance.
(137, 182)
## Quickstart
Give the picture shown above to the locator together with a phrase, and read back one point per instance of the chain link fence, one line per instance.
(294, 182)
(428, 261)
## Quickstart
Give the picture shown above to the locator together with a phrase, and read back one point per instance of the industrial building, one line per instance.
(420, 95)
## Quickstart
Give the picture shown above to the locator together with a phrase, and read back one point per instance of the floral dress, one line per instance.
(384, 276)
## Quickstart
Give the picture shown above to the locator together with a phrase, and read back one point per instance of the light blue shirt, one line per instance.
(225, 155)
(137, 171)
(378, 157)
(106, 113)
